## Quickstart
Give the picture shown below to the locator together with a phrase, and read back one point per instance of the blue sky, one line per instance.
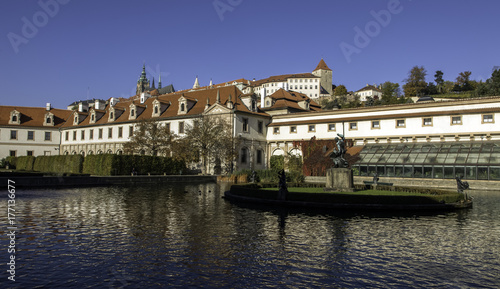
(97, 48)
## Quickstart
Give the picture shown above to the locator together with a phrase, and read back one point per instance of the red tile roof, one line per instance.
(322, 65)
(283, 78)
(33, 116)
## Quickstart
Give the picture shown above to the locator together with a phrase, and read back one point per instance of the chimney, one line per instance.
(48, 106)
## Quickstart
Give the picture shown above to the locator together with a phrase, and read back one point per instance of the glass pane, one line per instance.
(482, 173)
(440, 158)
(363, 170)
(484, 159)
(438, 173)
(375, 158)
(417, 172)
(381, 171)
(459, 172)
(398, 171)
(450, 158)
(475, 148)
(366, 158)
(448, 173)
(470, 173)
(392, 158)
(412, 157)
(420, 158)
(431, 158)
(408, 172)
(389, 170)
(495, 173)
(372, 170)
(402, 159)
(455, 148)
(460, 159)
(427, 172)
(472, 159)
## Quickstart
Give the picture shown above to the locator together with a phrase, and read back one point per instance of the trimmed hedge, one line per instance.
(111, 165)
(25, 163)
(59, 164)
(11, 161)
(101, 165)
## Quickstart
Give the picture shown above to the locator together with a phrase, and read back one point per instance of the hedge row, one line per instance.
(102, 164)
(109, 164)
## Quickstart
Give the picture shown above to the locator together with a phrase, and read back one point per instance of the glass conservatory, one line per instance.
(445, 160)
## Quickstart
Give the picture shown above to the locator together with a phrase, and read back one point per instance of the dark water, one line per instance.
(188, 236)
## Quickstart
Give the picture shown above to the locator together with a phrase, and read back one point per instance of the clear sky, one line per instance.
(59, 51)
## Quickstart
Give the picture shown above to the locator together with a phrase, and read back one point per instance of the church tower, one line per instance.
(326, 74)
(143, 82)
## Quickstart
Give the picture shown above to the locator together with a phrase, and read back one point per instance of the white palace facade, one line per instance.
(265, 125)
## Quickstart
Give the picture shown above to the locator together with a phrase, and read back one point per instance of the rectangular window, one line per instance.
(74, 135)
(293, 129)
(400, 123)
(29, 153)
(245, 124)
(31, 135)
(244, 155)
(100, 133)
(47, 153)
(130, 131)
(488, 118)
(259, 157)
(110, 132)
(13, 134)
(456, 120)
(353, 126)
(311, 128)
(120, 132)
(181, 127)
(12, 153)
(276, 130)
(167, 127)
(260, 127)
(48, 135)
(91, 134)
(376, 124)
(427, 121)
(82, 135)
(331, 127)
(67, 135)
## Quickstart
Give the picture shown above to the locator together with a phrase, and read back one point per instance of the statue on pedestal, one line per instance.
(283, 190)
(461, 186)
(338, 152)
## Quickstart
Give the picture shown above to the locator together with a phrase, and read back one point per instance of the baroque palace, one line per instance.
(423, 139)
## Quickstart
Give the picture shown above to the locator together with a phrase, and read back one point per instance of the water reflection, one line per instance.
(187, 235)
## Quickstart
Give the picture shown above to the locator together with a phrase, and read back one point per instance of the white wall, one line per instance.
(22, 145)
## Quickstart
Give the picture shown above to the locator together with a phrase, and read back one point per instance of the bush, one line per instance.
(109, 164)
(59, 164)
(11, 161)
(277, 162)
(25, 163)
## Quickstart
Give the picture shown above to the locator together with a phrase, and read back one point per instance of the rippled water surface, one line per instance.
(188, 236)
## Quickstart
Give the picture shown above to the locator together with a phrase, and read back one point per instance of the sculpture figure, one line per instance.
(461, 186)
(338, 152)
(283, 190)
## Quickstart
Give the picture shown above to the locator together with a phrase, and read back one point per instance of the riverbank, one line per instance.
(43, 182)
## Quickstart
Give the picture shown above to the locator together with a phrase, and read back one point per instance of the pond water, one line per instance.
(187, 235)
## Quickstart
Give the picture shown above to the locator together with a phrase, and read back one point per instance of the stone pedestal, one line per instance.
(339, 180)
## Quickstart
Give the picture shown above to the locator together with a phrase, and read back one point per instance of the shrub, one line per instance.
(25, 163)
(109, 164)
(11, 161)
(277, 162)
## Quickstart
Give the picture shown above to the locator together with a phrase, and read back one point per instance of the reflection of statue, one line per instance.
(461, 186)
(283, 190)
(338, 152)
(375, 179)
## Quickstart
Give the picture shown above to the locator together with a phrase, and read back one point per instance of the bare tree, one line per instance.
(150, 138)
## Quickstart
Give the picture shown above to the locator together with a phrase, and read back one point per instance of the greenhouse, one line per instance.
(444, 160)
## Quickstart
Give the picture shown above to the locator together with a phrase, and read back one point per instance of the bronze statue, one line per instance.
(338, 152)
(461, 186)
(283, 190)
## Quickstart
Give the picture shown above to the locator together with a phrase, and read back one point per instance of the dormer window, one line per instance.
(156, 109)
(111, 115)
(15, 117)
(92, 118)
(49, 119)
(75, 122)
(183, 107)
(132, 112)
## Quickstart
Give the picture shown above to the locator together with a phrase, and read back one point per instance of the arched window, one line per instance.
(182, 106)
(49, 120)
(156, 109)
(132, 112)
(14, 118)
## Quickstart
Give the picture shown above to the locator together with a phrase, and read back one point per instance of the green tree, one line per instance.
(438, 78)
(415, 83)
(340, 90)
(463, 81)
(150, 138)
(390, 92)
